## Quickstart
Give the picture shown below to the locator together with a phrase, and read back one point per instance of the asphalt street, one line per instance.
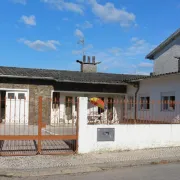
(152, 172)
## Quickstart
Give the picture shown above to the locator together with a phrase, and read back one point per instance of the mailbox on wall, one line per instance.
(105, 134)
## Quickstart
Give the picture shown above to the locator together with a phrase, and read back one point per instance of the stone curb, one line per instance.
(83, 169)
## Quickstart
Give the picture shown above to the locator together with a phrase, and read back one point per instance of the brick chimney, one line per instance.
(89, 66)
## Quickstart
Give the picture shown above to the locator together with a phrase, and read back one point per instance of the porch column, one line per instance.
(125, 113)
(82, 117)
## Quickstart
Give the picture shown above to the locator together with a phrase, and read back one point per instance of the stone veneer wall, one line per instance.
(35, 91)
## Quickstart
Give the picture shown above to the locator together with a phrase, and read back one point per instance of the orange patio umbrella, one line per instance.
(97, 102)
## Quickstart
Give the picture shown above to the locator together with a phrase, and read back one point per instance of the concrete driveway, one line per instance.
(15, 129)
(9, 147)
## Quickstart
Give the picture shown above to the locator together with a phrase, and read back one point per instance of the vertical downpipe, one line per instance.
(135, 108)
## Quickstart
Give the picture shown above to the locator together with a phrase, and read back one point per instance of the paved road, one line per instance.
(154, 172)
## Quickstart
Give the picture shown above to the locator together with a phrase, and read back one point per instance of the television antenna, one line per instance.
(82, 42)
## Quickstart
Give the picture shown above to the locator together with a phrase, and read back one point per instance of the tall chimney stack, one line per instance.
(93, 59)
(88, 66)
(84, 58)
(89, 59)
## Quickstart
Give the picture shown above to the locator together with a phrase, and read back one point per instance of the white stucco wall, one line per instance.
(127, 137)
(130, 137)
(153, 88)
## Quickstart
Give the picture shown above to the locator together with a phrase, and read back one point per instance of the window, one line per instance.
(168, 101)
(130, 104)
(56, 99)
(100, 110)
(21, 96)
(68, 104)
(144, 102)
(11, 96)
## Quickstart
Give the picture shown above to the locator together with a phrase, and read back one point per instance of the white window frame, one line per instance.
(144, 108)
(130, 102)
(166, 101)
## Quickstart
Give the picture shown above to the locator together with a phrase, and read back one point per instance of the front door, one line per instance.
(16, 107)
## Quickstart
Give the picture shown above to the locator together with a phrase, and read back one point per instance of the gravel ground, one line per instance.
(44, 161)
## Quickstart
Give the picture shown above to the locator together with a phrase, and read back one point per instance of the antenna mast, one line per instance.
(82, 42)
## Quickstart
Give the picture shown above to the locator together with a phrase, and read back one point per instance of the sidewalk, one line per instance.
(48, 165)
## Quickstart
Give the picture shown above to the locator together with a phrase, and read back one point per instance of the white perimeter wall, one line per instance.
(127, 137)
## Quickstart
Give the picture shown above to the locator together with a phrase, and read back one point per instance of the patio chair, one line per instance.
(110, 117)
(93, 118)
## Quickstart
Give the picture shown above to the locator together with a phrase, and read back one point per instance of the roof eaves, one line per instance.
(163, 44)
(58, 80)
(28, 77)
(154, 76)
(93, 82)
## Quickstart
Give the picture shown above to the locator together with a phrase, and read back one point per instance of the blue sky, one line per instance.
(44, 33)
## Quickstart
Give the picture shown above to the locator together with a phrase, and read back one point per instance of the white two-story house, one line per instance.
(158, 95)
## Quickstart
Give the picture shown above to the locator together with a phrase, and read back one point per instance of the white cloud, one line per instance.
(39, 45)
(115, 51)
(145, 65)
(77, 52)
(64, 5)
(85, 25)
(78, 33)
(139, 46)
(23, 2)
(142, 73)
(110, 14)
(134, 39)
(31, 20)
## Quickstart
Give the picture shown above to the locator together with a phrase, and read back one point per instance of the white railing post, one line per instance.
(82, 118)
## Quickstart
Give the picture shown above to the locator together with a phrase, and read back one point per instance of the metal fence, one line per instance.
(146, 111)
(40, 126)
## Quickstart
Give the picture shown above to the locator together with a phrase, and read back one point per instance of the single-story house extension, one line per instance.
(152, 97)
(20, 89)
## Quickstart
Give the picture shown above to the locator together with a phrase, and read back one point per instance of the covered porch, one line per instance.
(65, 95)
(65, 106)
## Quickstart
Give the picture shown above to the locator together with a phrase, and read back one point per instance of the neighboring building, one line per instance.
(165, 55)
(160, 92)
